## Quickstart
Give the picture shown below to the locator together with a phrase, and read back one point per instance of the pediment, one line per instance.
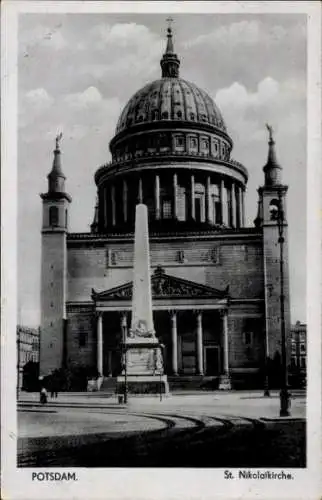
(164, 286)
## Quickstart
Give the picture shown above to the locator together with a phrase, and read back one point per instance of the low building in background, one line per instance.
(27, 356)
(298, 345)
(298, 353)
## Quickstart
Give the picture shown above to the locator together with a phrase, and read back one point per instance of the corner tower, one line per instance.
(272, 218)
(54, 267)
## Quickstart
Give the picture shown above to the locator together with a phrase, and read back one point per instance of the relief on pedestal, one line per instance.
(144, 361)
(140, 330)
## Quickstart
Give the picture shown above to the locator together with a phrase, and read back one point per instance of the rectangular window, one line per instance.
(179, 142)
(193, 143)
(205, 145)
(166, 209)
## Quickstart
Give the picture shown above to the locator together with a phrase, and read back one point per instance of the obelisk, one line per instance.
(142, 359)
(142, 318)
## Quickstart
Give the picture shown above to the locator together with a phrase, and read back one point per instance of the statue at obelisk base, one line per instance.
(142, 357)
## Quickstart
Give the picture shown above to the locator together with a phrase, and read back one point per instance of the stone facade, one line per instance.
(217, 285)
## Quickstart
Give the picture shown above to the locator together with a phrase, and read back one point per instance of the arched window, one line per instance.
(53, 216)
(179, 114)
(274, 209)
(165, 115)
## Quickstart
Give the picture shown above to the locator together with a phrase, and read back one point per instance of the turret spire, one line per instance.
(56, 170)
(170, 63)
(272, 169)
(56, 177)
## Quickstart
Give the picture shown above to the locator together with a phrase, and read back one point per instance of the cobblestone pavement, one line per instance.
(95, 430)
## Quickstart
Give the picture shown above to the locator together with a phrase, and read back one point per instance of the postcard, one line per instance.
(161, 235)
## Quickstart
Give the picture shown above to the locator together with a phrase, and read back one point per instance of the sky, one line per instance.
(77, 71)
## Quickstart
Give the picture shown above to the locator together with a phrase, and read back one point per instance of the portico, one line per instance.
(190, 320)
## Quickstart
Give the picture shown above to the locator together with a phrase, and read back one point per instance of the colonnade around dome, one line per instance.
(178, 195)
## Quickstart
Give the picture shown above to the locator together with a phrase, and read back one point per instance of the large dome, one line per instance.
(170, 99)
(171, 151)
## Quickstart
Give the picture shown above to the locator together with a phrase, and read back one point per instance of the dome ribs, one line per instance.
(184, 99)
(194, 100)
(170, 99)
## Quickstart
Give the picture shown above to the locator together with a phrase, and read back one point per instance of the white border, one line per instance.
(156, 483)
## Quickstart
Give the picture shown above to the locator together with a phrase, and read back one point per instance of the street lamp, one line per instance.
(266, 382)
(161, 370)
(124, 335)
(278, 215)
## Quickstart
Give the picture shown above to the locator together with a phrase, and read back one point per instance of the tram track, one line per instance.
(178, 443)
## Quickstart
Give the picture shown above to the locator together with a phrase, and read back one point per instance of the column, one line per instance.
(192, 200)
(140, 190)
(175, 196)
(157, 197)
(100, 343)
(199, 344)
(105, 206)
(237, 207)
(174, 339)
(124, 326)
(233, 205)
(125, 200)
(240, 192)
(243, 207)
(223, 201)
(208, 201)
(113, 205)
(224, 382)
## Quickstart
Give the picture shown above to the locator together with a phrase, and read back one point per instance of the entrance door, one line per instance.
(212, 361)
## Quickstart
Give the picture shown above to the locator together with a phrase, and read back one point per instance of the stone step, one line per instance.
(108, 385)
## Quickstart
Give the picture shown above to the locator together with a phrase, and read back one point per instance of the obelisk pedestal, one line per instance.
(142, 357)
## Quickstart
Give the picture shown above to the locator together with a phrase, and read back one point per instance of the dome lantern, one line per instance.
(170, 63)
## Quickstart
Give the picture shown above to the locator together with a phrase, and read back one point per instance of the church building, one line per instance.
(216, 284)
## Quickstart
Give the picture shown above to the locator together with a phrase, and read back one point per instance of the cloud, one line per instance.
(238, 96)
(129, 36)
(246, 112)
(38, 97)
(247, 33)
(78, 114)
(89, 97)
